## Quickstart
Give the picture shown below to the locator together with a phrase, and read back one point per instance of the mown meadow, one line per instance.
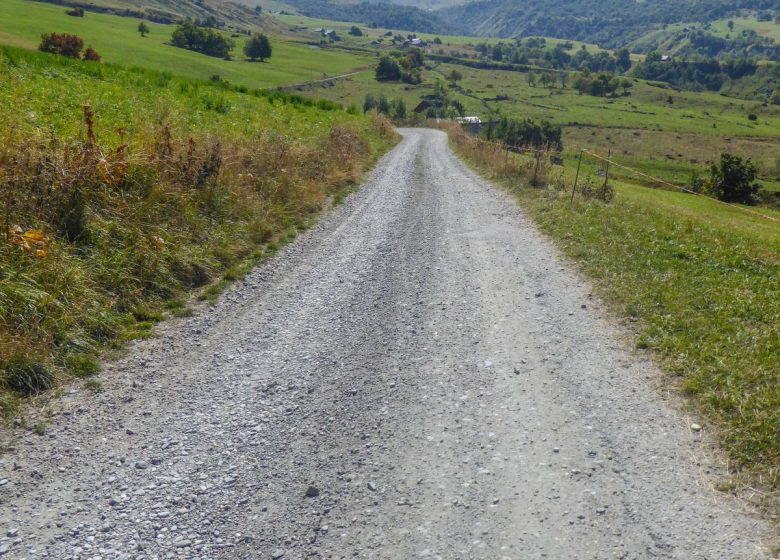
(117, 39)
(125, 191)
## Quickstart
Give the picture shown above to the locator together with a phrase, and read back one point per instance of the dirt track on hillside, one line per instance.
(419, 376)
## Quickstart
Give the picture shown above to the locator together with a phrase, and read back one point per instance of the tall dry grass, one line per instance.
(97, 240)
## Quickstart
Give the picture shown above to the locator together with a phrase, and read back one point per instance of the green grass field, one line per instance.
(22, 23)
(768, 29)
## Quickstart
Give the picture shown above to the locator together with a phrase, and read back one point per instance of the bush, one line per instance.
(207, 41)
(75, 12)
(91, 54)
(258, 47)
(734, 180)
(388, 70)
(27, 375)
(62, 44)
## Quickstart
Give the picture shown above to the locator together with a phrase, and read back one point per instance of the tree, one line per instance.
(532, 79)
(626, 84)
(623, 58)
(730, 25)
(398, 109)
(143, 29)
(258, 46)
(387, 70)
(207, 41)
(355, 30)
(369, 103)
(61, 44)
(547, 79)
(383, 105)
(564, 78)
(91, 54)
(734, 180)
(454, 77)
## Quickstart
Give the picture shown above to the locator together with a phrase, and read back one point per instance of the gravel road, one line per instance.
(418, 376)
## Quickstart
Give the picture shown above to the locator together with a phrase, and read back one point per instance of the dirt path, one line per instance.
(419, 376)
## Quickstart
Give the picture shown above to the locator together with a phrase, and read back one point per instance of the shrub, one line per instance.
(388, 70)
(91, 54)
(734, 180)
(203, 40)
(27, 375)
(62, 44)
(752, 117)
(143, 29)
(258, 46)
(75, 12)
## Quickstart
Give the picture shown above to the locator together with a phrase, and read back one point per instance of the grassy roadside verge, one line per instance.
(700, 284)
(123, 192)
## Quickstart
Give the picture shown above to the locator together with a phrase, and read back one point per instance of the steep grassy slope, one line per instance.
(117, 40)
(122, 191)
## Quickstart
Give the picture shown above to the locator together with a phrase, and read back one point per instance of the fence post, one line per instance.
(606, 170)
(576, 178)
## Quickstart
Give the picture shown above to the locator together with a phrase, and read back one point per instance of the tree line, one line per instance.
(207, 41)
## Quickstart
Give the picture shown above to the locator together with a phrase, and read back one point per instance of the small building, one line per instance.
(424, 105)
(474, 124)
(665, 58)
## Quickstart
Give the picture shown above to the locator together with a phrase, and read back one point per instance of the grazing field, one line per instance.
(117, 39)
(658, 129)
(699, 283)
(768, 29)
(139, 187)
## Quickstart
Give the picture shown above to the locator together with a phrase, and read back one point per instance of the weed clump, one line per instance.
(27, 375)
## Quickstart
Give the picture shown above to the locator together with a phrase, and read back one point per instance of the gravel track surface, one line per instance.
(418, 376)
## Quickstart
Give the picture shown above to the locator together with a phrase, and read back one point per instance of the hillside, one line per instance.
(223, 13)
(383, 14)
(611, 23)
(117, 39)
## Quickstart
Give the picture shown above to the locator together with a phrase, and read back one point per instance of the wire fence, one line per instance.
(608, 161)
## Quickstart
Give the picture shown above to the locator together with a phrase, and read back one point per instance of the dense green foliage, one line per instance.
(538, 52)
(524, 133)
(201, 39)
(400, 65)
(693, 74)
(258, 46)
(733, 180)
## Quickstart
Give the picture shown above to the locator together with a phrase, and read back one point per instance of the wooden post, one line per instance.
(606, 170)
(576, 178)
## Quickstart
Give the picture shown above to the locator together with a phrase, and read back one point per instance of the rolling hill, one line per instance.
(610, 23)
